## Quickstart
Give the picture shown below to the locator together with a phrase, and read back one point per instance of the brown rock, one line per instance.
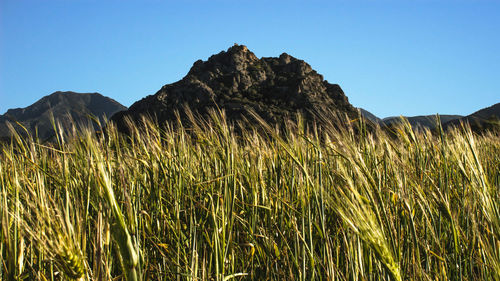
(236, 80)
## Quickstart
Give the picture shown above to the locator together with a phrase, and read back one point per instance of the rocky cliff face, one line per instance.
(237, 81)
(66, 107)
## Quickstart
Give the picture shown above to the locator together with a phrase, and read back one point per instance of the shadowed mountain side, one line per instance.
(485, 119)
(423, 121)
(64, 106)
(370, 116)
(237, 81)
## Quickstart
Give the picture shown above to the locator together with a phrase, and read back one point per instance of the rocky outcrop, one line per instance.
(236, 81)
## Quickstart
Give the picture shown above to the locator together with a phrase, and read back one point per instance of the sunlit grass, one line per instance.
(206, 203)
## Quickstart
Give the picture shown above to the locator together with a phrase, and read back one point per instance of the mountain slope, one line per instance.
(36, 117)
(370, 116)
(236, 81)
(424, 121)
(484, 119)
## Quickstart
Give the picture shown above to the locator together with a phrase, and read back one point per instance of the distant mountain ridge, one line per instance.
(237, 81)
(36, 117)
(484, 119)
(422, 121)
(368, 115)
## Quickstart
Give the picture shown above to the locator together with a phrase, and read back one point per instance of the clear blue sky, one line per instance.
(405, 57)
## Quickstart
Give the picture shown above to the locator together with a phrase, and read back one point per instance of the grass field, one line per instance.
(210, 204)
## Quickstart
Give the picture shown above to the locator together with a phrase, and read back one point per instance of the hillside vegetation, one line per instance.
(206, 203)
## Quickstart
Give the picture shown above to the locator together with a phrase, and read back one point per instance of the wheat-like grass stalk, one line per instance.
(215, 201)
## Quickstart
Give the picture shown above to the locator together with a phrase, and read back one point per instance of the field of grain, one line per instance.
(211, 204)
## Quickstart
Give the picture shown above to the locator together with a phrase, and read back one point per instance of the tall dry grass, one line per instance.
(210, 204)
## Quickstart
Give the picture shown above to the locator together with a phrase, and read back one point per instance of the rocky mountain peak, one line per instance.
(236, 81)
(236, 58)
